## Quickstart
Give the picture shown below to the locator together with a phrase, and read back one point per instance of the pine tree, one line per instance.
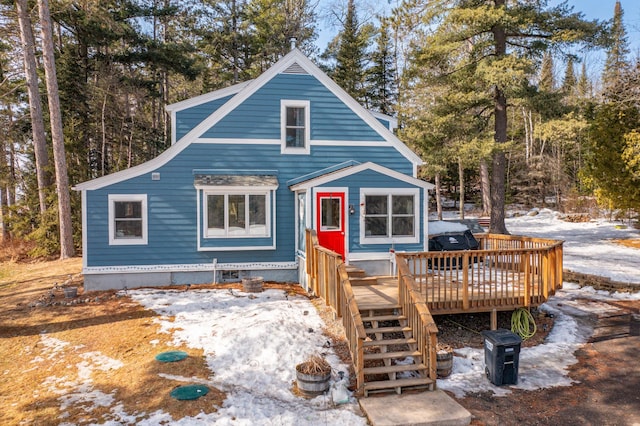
(569, 81)
(583, 86)
(609, 170)
(275, 23)
(547, 78)
(65, 227)
(498, 41)
(351, 55)
(35, 103)
(617, 63)
(382, 74)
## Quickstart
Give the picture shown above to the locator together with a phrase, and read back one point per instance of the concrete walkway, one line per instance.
(434, 408)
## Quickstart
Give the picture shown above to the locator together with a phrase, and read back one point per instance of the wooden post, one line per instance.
(465, 281)
(494, 319)
(545, 275)
(527, 279)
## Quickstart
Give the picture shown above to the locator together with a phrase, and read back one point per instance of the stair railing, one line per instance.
(418, 318)
(329, 280)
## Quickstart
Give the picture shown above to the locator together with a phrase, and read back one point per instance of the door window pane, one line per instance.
(331, 214)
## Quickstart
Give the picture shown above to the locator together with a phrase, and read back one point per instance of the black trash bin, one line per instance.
(501, 356)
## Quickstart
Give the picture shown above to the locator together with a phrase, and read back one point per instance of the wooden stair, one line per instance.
(392, 362)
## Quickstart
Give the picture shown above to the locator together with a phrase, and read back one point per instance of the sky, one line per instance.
(252, 341)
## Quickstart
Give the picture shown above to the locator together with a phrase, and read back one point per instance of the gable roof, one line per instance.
(353, 169)
(294, 62)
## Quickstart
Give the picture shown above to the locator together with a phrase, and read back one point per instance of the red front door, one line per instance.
(330, 221)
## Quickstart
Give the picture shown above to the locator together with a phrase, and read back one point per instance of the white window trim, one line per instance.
(113, 198)
(415, 238)
(267, 192)
(284, 104)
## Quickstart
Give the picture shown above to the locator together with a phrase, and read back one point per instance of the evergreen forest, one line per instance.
(496, 96)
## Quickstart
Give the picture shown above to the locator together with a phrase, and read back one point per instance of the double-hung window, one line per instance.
(390, 216)
(127, 219)
(237, 214)
(295, 126)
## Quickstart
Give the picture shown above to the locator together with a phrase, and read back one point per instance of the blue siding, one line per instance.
(373, 179)
(172, 202)
(189, 118)
(258, 117)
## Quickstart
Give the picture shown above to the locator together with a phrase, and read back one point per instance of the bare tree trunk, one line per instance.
(438, 196)
(6, 173)
(461, 180)
(103, 128)
(35, 103)
(485, 184)
(498, 169)
(67, 248)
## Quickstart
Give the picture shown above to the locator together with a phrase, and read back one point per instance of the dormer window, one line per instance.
(295, 119)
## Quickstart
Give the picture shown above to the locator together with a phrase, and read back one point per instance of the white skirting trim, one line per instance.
(196, 267)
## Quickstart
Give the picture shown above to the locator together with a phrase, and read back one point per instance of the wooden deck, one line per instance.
(508, 272)
(446, 298)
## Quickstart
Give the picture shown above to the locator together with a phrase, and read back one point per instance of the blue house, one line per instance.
(250, 167)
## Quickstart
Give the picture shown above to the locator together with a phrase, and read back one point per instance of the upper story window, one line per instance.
(295, 122)
(390, 216)
(127, 219)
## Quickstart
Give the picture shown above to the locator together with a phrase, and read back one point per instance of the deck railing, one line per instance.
(328, 279)
(506, 273)
(418, 318)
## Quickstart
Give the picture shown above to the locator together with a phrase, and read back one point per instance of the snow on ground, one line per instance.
(588, 246)
(252, 342)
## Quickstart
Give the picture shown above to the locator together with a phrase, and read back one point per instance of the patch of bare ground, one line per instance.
(465, 330)
(48, 346)
(606, 378)
(629, 242)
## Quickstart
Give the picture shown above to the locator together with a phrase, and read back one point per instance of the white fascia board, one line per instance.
(207, 97)
(392, 120)
(135, 171)
(330, 177)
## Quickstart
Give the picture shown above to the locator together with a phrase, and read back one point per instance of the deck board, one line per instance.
(379, 295)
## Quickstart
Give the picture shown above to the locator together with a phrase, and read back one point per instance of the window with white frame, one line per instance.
(236, 214)
(295, 122)
(128, 222)
(390, 216)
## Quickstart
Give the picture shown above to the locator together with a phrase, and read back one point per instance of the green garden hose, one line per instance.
(523, 324)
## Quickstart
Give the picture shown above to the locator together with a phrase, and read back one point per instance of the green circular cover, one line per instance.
(171, 356)
(189, 392)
